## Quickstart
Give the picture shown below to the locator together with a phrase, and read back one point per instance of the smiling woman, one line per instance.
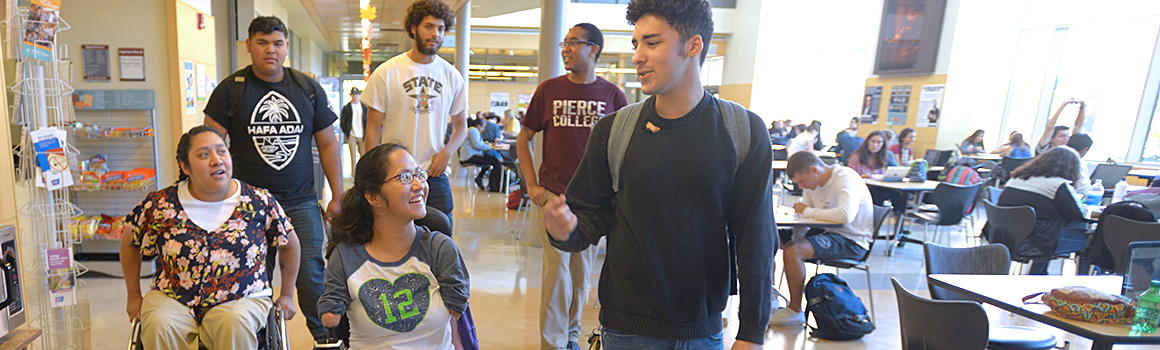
(400, 284)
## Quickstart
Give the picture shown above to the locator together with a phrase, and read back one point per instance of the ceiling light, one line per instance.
(478, 66)
(519, 74)
(476, 73)
(494, 74)
(512, 67)
(511, 52)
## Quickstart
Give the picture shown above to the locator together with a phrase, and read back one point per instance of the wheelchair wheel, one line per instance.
(135, 336)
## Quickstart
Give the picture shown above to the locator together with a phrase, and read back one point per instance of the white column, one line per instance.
(552, 13)
(463, 38)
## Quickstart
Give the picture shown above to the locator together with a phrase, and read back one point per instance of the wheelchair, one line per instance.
(272, 337)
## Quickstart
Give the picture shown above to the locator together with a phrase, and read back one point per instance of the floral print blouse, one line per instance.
(200, 268)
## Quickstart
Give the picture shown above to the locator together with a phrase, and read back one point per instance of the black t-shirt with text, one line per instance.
(272, 131)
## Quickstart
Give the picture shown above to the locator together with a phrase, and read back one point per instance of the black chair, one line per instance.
(1119, 232)
(952, 202)
(273, 336)
(880, 213)
(1018, 225)
(1008, 165)
(525, 201)
(940, 324)
(990, 259)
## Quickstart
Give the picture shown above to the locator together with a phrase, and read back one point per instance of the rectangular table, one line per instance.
(784, 217)
(985, 156)
(1007, 292)
(904, 186)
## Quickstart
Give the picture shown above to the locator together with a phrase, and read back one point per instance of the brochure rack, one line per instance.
(42, 101)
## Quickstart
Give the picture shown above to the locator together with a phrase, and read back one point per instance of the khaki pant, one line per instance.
(563, 293)
(168, 324)
(356, 148)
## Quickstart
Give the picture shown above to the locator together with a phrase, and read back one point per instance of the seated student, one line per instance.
(804, 141)
(1044, 183)
(1082, 143)
(872, 158)
(832, 193)
(973, 144)
(401, 285)
(902, 152)
(478, 152)
(1015, 147)
(210, 285)
(848, 141)
(818, 145)
(1059, 134)
(777, 133)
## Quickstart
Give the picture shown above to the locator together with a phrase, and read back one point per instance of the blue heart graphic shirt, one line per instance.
(404, 304)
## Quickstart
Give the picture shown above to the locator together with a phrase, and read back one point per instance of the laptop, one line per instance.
(895, 173)
(1143, 267)
(1110, 174)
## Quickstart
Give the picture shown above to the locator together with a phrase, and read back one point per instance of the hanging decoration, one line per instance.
(367, 13)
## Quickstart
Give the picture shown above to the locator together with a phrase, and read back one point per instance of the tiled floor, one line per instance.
(505, 289)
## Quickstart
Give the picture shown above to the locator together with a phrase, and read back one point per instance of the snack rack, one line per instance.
(41, 100)
(125, 139)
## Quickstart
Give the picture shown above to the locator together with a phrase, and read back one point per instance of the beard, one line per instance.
(421, 45)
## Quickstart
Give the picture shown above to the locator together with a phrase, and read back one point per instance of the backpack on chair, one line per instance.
(839, 314)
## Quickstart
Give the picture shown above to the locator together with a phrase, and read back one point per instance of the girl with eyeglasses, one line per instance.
(400, 284)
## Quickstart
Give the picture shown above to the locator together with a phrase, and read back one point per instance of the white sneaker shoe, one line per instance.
(784, 317)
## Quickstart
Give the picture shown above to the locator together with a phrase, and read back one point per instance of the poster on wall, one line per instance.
(929, 106)
(333, 88)
(132, 61)
(199, 81)
(499, 102)
(96, 63)
(40, 32)
(190, 95)
(899, 98)
(523, 100)
(870, 103)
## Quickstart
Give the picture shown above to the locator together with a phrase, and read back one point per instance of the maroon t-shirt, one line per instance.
(566, 112)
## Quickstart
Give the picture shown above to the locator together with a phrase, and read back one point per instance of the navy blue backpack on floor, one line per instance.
(839, 314)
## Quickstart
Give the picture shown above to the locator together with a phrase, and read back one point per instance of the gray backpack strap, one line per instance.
(623, 124)
(736, 120)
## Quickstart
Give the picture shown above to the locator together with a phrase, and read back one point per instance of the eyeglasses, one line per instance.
(406, 178)
(573, 43)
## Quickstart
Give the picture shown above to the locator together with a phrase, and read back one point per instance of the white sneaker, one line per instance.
(784, 317)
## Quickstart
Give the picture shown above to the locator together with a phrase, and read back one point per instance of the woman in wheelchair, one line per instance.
(401, 285)
(210, 234)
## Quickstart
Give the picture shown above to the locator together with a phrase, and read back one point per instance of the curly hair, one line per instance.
(420, 9)
(1061, 162)
(185, 143)
(355, 223)
(688, 17)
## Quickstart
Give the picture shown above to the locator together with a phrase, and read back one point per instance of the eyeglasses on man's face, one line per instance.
(407, 177)
(573, 43)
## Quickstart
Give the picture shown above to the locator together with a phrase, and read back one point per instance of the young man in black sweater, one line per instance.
(678, 206)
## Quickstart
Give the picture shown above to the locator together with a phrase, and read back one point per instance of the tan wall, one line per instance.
(926, 137)
(739, 93)
(129, 24)
(187, 42)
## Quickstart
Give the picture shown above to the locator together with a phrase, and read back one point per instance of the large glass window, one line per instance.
(1027, 83)
(1105, 64)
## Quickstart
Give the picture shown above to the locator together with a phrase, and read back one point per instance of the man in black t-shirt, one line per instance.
(271, 123)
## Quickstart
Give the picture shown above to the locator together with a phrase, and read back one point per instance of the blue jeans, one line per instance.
(306, 218)
(614, 340)
(439, 196)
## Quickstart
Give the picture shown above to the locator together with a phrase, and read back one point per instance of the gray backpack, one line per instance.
(736, 123)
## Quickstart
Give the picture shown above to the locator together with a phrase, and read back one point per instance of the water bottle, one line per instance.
(1121, 190)
(1147, 310)
(1096, 193)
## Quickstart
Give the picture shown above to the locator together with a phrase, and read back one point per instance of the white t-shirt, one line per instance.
(356, 127)
(417, 100)
(802, 142)
(846, 199)
(208, 215)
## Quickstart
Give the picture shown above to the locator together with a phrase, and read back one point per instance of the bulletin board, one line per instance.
(927, 136)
